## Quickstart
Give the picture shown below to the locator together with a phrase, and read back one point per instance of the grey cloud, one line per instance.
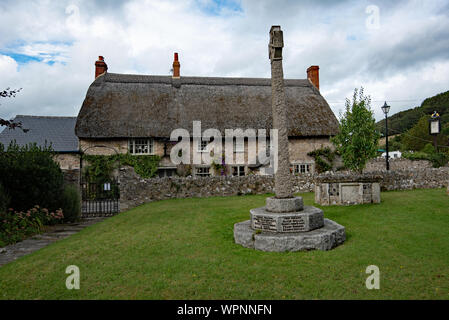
(329, 33)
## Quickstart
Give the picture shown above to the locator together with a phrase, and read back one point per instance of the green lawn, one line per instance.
(184, 249)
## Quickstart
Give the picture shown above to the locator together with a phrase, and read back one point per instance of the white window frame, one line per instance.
(202, 171)
(302, 168)
(136, 145)
(202, 145)
(240, 171)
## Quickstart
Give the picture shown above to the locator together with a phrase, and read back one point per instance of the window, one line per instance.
(202, 146)
(203, 171)
(238, 171)
(141, 146)
(239, 145)
(302, 168)
(166, 172)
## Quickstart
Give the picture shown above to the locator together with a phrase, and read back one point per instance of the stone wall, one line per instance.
(67, 161)
(71, 176)
(423, 178)
(135, 190)
(378, 164)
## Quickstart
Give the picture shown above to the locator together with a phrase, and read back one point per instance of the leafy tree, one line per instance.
(8, 93)
(358, 138)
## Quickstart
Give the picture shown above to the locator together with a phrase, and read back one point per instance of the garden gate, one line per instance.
(100, 197)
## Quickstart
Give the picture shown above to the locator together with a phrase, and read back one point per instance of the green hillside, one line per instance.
(404, 120)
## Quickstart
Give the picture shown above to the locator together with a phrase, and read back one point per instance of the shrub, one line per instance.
(71, 203)
(428, 148)
(4, 199)
(439, 159)
(30, 176)
(16, 226)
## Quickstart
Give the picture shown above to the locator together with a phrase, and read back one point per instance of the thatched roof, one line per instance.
(121, 105)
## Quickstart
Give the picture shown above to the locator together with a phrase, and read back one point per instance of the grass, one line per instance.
(184, 249)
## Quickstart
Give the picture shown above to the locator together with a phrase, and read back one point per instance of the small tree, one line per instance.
(358, 138)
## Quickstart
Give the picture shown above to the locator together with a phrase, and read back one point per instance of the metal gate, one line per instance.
(99, 198)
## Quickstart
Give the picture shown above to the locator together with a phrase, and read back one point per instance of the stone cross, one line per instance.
(283, 179)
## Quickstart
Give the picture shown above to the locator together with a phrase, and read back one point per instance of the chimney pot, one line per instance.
(313, 75)
(176, 67)
(100, 66)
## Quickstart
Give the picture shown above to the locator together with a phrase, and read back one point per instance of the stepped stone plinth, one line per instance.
(305, 228)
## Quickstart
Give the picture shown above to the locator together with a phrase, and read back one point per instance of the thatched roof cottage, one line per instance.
(137, 113)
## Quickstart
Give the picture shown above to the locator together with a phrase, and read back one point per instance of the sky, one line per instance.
(398, 51)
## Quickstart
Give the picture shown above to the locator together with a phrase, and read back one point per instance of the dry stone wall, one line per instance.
(378, 164)
(135, 190)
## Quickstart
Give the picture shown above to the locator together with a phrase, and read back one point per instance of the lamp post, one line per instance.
(385, 109)
(434, 127)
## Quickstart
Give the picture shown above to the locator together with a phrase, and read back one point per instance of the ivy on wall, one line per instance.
(324, 159)
(100, 167)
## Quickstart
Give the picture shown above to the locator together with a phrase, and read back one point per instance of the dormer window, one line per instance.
(141, 146)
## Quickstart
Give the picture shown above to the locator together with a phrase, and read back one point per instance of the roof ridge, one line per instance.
(140, 78)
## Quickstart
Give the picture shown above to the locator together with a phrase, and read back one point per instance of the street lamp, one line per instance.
(434, 127)
(385, 109)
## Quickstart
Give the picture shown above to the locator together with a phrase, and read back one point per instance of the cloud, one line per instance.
(49, 47)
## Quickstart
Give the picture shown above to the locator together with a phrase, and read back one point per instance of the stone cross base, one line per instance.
(288, 225)
(326, 238)
(309, 218)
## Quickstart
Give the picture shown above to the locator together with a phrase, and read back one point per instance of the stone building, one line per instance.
(59, 132)
(137, 114)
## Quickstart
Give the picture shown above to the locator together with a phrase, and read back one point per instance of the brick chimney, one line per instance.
(176, 67)
(313, 75)
(100, 66)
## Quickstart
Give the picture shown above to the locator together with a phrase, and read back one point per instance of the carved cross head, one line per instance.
(276, 43)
